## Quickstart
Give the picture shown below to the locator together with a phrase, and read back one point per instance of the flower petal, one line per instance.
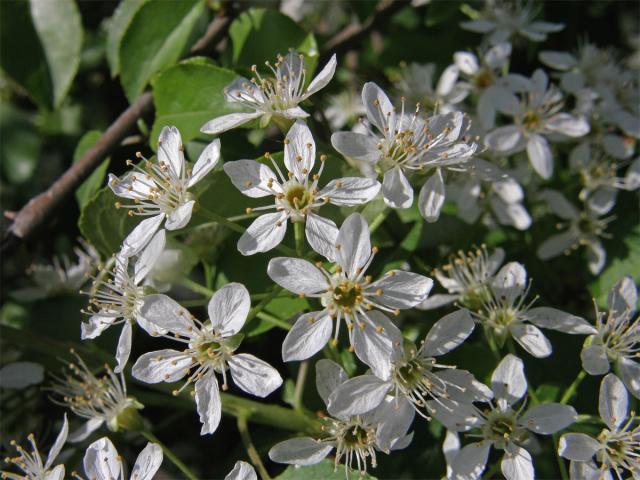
(329, 376)
(353, 244)
(623, 296)
(578, 447)
(300, 451)
(297, 275)
(630, 373)
(379, 108)
(58, 444)
(447, 333)
(321, 234)
(553, 319)
(594, 359)
(149, 256)
(86, 429)
(141, 235)
(147, 463)
(432, 195)
(374, 338)
(299, 151)
(208, 402)
(531, 339)
(242, 471)
(101, 460)
(510, 281)
(470, 461)
(508, 381)
(308, 335)
(350, 191)
(358, 395)
(264, 234)
(540, 156)
(227, 122)
(516, 463)
(504, 139)
(124, 346)
(253, 375)
(549, 418)
(170, 150)
(356, 145)
(207, 160)
(229, 307)
(400, 289)
(162, 366)
(613, 403)
(323, 78)
(180, 216)
(568, 125)
(167, 314)
(396, 189)
(556, 245)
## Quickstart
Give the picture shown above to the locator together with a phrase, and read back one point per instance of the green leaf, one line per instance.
(103, 225)
(118, 26)
(92, 184)
(188, 95)
(20, 145)
(16, 28)
(157, 36)
(258, 35)
(325, 470)
(59, 27)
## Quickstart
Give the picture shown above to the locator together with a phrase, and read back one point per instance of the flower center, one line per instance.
(502, 427)
(357, 436)
(531, 120)
(347, 294)
(298, 196)
(483, 79)
(410, 374)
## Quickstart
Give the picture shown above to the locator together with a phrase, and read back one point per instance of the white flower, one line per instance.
(99, 400)
(466, 277)
(505, 313)
(414, 376)
(19, 375)
(209, 349)
(31, 463)
(490, 188)
(617, 337)
(415, 84)
(62, 276)
(501, 426)
(403, 143)
(161, 190)
(344, 108)
(117, 294)
(242, 471)
(503, 20)
(297, 196)
(347, 294)
(102, 462)
(617, 447)
(277, 96)
(536, 115)
(356, 438)
(582, 229)
(599, 177)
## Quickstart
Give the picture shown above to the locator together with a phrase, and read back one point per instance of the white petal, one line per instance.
(432, 196)
(632, 177)
(450, 448)
(623, 296)
(516, 464)
(170, 150)
(308, 335)
(380, 110)
(556, 245)
(602, 200)
(180, 216)
(264, 234)
(293, 113)
(329, 376)
(470, 462)
(479, 26)
(58, 444)
(469, 389)
(466, 62)
(149, 256)
(350, 191)
(497, 55)
(559, 204)
(227, 122)
(596, 256)
(147, 463)
(508, 380)
(297, 275)
(513, 214)
(455, 416)
(396, 189)
(358, 146)
(447, 80)
(162, 366)
(208, 402)
(167, 314)
(300, 451)
(242, 471)
(353, 244)
(141, 235)
(323, 78)
(207, 160)
(630, 373)
(436, 301)
(568, 125)
(299, 151)
(558, 60)
(578, 447)
(124, 346)
(133, 185)
(587, 471)
(101, 461)
(252, 178)
(229, 307)
(393, 418)
(400, 289)
(504, 139)
(56, 473)
(374, 338)
(540, 156)
(447, 333)
(19, 375)
(549, 418)
(594, 359)
(554, 319)
(531, 339)
(85, 430)
(613, 403)
(321, 234)
(617, 147)
(253, 375)
(510, 281)
(358, 395)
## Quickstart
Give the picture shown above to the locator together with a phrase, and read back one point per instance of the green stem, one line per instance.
(300, 381)
(273, 320)
(196, 287)
(571, 390)
(511, 346)
(209, 273)
(376, 222)
(561, 466)
(492, 344)
(298, 230)
(264, 302)
(243, 428)
(170, 455)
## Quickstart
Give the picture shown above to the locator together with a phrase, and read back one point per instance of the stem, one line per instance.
(196, 287)
(298, 230)
(170, 455)
(273, 320)
(511, 346)
(265, 301)
(376, 222)
(243, 428)
(569, 392)
(209, 272)
(492, 344)
(221, 220)
(300, 381)
(561, 466)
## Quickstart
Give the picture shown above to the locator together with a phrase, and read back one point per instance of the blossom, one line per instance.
(99, 400)
(503, 20)
(343, 108)
(355, 438)
(117, 294)
(505, 313)
(501, 425)
(535, 115)
(346, 293)
(617, 445)
(62, 276)
(210, 349)
(19, 375)
(160, 190)
(582, 229)
(31, 462)
(414, 375)
(274, 96)
(242, 471)
(415, 84)
(102, 462)
(466, 277)
(403, 143)
(617, 337)
(297, 196)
